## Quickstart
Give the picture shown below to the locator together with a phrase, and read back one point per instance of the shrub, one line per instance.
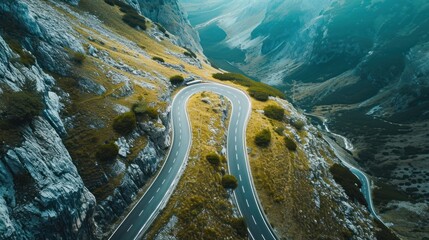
(25, 57)
(258, 94)
(274, 112)
(349, 182)
(229, 182)
(213, 158)
(189, 53)
(279, 130)
(133, 19)
(263, 138)
(124, 124)
(21, 107)
(290, 144)
(107, 152)
(152, 112)
(176, 80)
(159, 59)
(78, 57)
(239, 224)
(298, 124)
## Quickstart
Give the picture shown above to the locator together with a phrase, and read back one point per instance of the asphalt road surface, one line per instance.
(148, 207)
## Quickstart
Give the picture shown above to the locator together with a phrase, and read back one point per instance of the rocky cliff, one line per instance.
(85, 74)
(169, 14)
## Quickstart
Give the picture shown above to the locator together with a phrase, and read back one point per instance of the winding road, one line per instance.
(145, 211)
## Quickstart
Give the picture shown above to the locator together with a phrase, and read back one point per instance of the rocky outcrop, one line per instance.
(55, 204)
(169, 14)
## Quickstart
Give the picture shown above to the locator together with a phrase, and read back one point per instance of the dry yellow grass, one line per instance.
(199, 201)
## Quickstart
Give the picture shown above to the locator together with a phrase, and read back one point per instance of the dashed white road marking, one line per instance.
(236, 123)
(163, 181)
(180, 143)
(242, 188)
(169, 170)
(174, 160)
(236, 130)
(177, 153)
(240, 177)
(238, 167)
(247, 203)
(235, 138)
(129, 228)
(254, 220)
(141, 213)
(263, 236)
(158, 190)
(235, 147)
(151, 199)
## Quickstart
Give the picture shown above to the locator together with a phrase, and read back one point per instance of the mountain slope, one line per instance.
(360, 64)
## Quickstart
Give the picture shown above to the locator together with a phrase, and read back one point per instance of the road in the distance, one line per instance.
(148, 207)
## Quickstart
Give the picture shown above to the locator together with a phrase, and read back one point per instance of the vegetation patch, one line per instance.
(259, 91)
(189, 53)
(274, 112)
(21, 107)
(297, 124)
(383, 232)
(78, 57)
(290, 144)
(159, 59)
(229, 182)
(124, 124)
(107, 152)
(213, 158)
(263, 138)
(349, 182)
(131, 17)
(141, 109)
(176, 80)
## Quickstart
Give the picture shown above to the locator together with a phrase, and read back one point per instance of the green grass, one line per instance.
(259, 91)
(213, 158)
(21, 107)
(290, 144)
(107, 152)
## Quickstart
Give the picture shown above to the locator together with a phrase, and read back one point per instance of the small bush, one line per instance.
(274, 112)
(298, 124)
(159, 59)
(258, 94)
(152, 112)
(78, 57)
(290, 144)
(107, 152)
(279, 130)
(263, 138)
(142, 109)
(239, 224)
(189, 53)
(213, 158)
(124, 124)
(134, 20)
(21, 107)
(25, 57)
(176, 80)
(229, 182)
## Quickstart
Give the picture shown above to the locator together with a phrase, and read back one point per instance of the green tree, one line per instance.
(263, 138)
(229, 182)
(124, 124)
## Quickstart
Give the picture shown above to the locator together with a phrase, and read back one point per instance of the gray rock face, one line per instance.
(169, 13)
(60, 204)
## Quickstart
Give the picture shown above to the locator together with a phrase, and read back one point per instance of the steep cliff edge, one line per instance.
(170, 14)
